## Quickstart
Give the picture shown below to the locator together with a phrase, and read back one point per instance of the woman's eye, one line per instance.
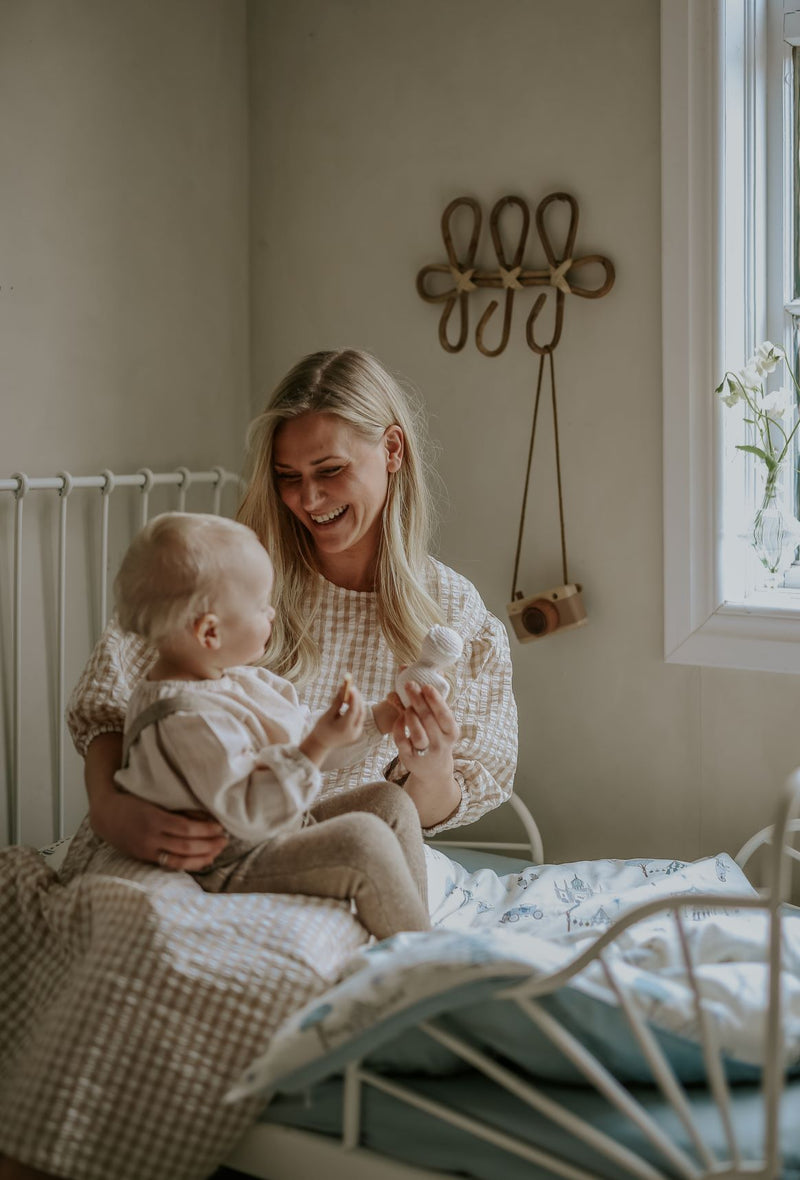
(294, 476)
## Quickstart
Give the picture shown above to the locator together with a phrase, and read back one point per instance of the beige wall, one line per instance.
(123, 235)
(367, 118)
(123, 286)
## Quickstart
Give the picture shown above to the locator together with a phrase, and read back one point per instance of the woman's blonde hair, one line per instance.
(173, 569)
(358, 390)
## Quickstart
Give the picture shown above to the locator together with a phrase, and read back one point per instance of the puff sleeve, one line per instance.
(99, 701)
(482, 701)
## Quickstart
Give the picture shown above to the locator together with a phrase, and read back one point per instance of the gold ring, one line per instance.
(162, 858)
(421, 753)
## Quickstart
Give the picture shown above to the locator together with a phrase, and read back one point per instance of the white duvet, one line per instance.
(535, 922)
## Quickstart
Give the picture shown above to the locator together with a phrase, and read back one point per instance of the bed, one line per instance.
(601, 1019)
(649, 1041)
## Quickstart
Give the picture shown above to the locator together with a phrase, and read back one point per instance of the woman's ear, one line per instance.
(206, 631)
(394, 441)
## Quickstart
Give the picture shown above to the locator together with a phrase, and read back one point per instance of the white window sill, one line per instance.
(765, 639)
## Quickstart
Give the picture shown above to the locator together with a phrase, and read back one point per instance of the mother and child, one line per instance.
(338, 495)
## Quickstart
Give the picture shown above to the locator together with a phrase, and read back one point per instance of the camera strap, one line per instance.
(515, 594)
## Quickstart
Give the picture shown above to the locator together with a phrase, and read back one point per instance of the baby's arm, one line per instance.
(254, 793)
(355, 746)
(336, 736)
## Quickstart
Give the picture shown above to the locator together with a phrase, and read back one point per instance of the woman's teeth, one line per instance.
(329, 515)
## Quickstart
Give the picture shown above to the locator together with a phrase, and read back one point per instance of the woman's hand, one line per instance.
(425, 735)
(387, 711)
(140, 829)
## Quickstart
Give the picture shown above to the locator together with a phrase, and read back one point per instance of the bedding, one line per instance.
(492, 931)
(136, 983)
(129, 1002)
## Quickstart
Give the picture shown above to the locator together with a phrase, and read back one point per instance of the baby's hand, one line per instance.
(338, 726)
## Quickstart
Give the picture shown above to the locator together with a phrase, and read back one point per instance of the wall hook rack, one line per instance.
(511, 275)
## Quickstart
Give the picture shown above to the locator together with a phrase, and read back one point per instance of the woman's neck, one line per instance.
(348, 570)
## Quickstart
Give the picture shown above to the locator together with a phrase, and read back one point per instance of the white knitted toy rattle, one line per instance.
(441, 647)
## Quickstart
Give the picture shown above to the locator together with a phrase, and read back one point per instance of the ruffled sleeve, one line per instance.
(485, 758)
(482, 700)
(100, 698)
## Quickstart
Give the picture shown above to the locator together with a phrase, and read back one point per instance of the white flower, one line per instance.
(772, 417)
(750, 376)
(766, 358)
(735, 394)
(777, 403)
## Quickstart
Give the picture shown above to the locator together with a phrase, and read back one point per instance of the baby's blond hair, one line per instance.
(173, 570)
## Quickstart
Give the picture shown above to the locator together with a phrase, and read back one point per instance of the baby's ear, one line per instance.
(206, 631)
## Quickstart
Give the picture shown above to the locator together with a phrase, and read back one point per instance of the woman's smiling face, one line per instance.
(336, 482)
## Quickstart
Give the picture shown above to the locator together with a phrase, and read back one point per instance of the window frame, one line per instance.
(700, 627)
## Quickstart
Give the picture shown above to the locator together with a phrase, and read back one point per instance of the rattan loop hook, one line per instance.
(544, 349)
(484, 320)
(109, 482)
(185, 481)
(148, 479)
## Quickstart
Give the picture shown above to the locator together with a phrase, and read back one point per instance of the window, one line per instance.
(729, 195)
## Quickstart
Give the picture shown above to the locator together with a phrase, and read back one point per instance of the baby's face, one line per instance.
(245, 605)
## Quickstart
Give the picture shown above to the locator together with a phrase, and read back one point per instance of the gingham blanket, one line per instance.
(129, 1002)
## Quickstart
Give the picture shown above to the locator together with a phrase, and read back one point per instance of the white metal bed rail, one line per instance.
(20, 486)
(707, 1162)
(532, 846)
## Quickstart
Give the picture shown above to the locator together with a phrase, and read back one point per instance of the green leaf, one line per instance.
(770, 462)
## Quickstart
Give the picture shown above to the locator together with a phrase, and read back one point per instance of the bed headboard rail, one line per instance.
(63, 536)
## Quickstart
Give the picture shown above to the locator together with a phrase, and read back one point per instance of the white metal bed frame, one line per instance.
(19, 486)
(290, 1153)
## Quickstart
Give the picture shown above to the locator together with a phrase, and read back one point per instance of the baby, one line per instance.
(204, 730)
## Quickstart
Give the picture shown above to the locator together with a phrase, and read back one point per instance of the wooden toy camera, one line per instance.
(554, 610)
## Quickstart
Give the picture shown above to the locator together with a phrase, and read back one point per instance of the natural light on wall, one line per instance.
(729, 197)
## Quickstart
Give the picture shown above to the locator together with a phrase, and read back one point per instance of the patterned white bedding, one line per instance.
(493, 930)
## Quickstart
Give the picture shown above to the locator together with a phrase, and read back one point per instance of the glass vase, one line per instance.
(775, 532)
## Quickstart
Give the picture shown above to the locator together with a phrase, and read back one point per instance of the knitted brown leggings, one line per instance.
(365, 844)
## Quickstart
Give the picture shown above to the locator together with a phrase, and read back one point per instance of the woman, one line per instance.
(338, 494)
